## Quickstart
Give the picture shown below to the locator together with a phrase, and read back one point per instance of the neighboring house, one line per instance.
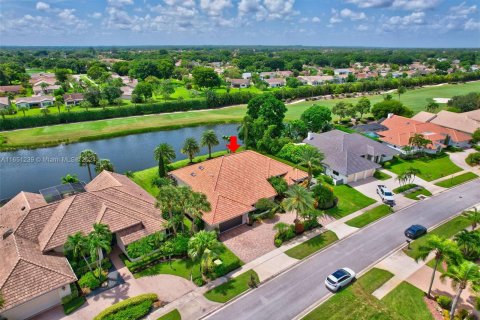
(246, 75)
(37, 89)
(126, 92)
(285, 74)
(239, 83)
(275, 83)
(370, 129)
(34, 274)
(315, 80)
(35, 101)
(267, 75)
(466, 122)
(401, 129)
(15, 89)
(234, 183)
(349, 157)
(73, 98)
(4, 102)
(338, 72)
(36, 79)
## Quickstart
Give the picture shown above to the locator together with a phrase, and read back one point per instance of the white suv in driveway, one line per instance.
(385, 194)
(339, 279)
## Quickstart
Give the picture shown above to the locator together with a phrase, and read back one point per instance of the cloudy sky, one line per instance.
(385, 23)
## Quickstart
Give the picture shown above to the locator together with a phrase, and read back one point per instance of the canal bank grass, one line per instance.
(94, 130)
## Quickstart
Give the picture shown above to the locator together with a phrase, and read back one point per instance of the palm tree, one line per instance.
(209, 139)
(281, 227)
(23, 108)
(298, 199)
(78, 245)
(203, 247)
(167, 201)
(401, 90)
(444, 249)
(70, 178)
(469, 243)
(190, 148)
(473, 215)
(88, 157)
(463, 275)
(98, 240)
(58, 104)
(163, 153)
(311, 158)
(104, 164)
(196, 203)
(44, 86)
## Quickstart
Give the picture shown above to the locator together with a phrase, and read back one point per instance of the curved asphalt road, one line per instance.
(289, 294)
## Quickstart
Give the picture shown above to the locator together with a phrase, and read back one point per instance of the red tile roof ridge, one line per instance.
(217, 176)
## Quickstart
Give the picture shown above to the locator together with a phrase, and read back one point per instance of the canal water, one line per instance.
(32, 170)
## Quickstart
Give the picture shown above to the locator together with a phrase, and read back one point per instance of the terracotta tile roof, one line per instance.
(400, 129)
(234, 183)
(13, 88)
(29, 268)
(26, 273)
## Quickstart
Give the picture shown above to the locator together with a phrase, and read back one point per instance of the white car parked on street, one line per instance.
(339, 279)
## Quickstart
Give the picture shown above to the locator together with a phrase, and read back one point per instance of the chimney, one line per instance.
(310, 136)
(390, 115)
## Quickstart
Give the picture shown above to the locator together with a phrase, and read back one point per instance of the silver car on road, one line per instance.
(339, 279)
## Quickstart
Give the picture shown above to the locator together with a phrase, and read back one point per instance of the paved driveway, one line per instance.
(288, 295)
(459, 159)
(251, 242)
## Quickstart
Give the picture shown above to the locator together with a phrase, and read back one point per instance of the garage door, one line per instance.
(230, 223)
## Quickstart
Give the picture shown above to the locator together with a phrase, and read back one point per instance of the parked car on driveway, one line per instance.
(386, 194)
(339, 279)
(415, 231)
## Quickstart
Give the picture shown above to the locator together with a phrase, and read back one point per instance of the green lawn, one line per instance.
(172, 315)
(446, 230)
(97, 129)
(407, 300)
(380, 175)
(349, 201)
(413, 195)
(451, 182)
(73, 305)
(313, 245)
(370, 216)
(356, 302)
(185, 267)
(431, 168)
(231, 288)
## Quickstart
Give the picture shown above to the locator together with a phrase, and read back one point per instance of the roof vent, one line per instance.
(6, 233)
(22, 208)
(193, 174)
(201, 167)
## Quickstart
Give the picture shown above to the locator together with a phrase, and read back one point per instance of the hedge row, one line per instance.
(99, 114)
(110, 312)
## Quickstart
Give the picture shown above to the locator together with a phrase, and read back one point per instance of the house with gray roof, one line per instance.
(349, 157)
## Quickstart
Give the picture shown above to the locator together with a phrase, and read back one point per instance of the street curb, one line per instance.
(300, 262)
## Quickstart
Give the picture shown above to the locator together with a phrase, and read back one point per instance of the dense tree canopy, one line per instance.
(316, 118)
(383, 108)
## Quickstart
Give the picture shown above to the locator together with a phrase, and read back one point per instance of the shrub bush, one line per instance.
(112, 311)
(473, 159)
(80, 266)
(278, 242)
(324, 196)
(134, 312)
(264, 204)
(279, 184)
(91, 281)
(311, 224)
(444, 301)
(291, 152)
(387, 164)
(74, 294)
(199, 281)
(230, 262)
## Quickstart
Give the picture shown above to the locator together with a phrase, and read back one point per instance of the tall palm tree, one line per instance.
(474, 216)
(463, 275)
(164, 154)
(167, 201)
(194, 204)
(444, 249)
(202, 247)
(298, 199)
(104, 164)
(78, 245)
(469, 243)
(190, 148)
(88, 157)
(312, 159)
(98, 240)
(209, 139)
(401, 90)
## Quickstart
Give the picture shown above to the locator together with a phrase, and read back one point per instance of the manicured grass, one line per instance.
(451, 182)
(415, 194)
(313, 245)
(446, 230)
(231, 288)
(405, 187)
(431, 168)
(414, 99)
(73, 305)
(144, 177)
(369, 216)
(349, 201)
(356, 302)
(407, 300)
(172, 315)
(380, 175)
(186, 267)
